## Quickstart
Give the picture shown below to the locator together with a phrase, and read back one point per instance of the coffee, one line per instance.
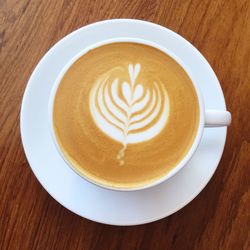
(125, 114)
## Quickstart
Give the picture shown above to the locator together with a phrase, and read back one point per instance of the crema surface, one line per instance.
(125, 114)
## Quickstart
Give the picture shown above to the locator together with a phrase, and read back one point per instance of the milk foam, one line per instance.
(138, 115)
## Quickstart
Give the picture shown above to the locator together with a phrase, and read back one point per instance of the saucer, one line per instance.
(84, 198)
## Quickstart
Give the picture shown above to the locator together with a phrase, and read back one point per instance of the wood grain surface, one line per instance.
(218, 218)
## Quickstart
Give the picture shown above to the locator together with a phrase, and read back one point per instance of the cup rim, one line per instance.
(190, 152)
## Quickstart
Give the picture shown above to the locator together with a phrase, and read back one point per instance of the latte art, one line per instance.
(129, 111)
(125, 114)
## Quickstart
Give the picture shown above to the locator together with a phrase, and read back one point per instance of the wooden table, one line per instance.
(218, 218)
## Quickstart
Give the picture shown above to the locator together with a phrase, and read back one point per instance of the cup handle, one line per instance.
(217, 118)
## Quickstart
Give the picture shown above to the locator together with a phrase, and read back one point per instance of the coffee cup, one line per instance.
(112, 111)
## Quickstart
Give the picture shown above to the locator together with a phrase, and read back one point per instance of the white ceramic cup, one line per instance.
(208, 118)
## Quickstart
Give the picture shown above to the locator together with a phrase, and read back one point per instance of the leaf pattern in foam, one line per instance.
(129, 111)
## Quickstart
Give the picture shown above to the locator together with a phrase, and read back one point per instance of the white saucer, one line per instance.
(84, 198)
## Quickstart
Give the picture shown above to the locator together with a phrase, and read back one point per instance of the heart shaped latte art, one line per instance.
(129, 111)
